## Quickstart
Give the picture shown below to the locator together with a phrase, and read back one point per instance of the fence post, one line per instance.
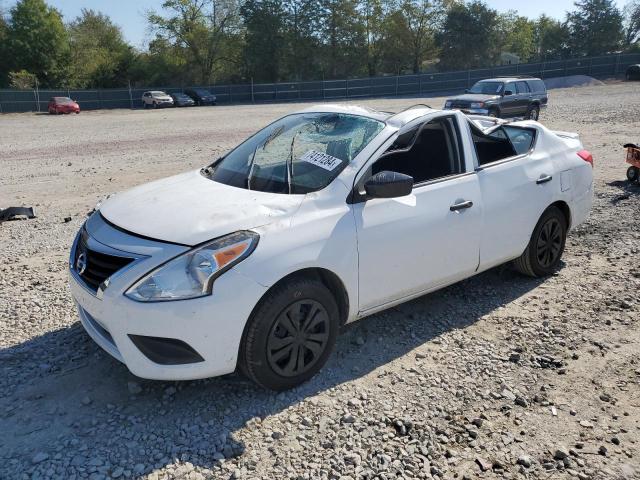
(253, 100)
(37, 94)
(468, 78)
(615, 68)
(130, 95)
(397, 81)
(230, 95)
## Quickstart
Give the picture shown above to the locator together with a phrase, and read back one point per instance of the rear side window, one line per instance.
(523, 87)
(501, 143)
(537, 86)
(521, 138)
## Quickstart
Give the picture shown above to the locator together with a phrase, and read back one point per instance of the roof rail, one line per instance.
(415, 105)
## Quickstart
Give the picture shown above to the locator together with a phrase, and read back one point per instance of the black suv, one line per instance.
(503, 97)
(201, 96)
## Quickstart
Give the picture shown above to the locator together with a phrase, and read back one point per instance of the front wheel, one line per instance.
(533, 113)
(633, 174)
(494, 112)
(290, 335)
(545, 248)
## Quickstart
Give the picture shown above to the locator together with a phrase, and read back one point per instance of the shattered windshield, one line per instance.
(486, 88)
(299, 153)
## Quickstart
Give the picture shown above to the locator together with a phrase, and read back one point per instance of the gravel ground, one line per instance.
(499, 376)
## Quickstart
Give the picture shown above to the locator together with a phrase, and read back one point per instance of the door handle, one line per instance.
(461, 206)
(544, 179)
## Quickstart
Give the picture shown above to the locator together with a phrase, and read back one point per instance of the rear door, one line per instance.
(524, 98)
(509, 103)
(516, 189)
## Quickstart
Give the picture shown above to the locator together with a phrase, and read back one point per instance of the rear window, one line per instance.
(537, 86)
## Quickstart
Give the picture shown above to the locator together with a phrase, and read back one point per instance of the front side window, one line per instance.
(427, 152)
(511, 87)
(487, 88)
(297, 154)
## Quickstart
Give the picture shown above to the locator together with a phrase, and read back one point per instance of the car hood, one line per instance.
(163, 97)
(474, 97)
(190, 209)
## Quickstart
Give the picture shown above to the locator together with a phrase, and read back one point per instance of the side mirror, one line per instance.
(508, 92)
(389, 185)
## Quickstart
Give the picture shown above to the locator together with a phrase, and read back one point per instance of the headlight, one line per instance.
(477, 104)
(447, 104)
(191, 274)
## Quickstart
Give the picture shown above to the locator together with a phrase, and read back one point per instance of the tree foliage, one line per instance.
(210, 41)
(37, 41)
(595, 27)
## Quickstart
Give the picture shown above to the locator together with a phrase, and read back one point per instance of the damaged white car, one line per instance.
(321, 218)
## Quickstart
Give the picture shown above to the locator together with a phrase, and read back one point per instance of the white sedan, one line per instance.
(321, 218)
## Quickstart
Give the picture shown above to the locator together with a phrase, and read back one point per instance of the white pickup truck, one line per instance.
(323, 217)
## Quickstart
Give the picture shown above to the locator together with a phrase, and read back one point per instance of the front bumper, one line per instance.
(212, 326)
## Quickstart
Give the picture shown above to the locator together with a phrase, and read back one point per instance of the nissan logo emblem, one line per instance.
(81, 263)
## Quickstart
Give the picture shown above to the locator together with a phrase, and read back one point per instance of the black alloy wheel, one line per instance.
(290, 334)
(546, 245)
(549, 243)
(298, 338)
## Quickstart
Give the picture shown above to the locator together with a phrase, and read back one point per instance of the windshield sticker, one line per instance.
(321, 160)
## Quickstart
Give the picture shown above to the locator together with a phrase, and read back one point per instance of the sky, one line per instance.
(129, 14)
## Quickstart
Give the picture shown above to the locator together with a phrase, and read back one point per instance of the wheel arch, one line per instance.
(327, 277)
(564, 208)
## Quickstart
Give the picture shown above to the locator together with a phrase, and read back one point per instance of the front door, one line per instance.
(430, 238)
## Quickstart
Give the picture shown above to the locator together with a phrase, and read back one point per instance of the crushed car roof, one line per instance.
(395, 119)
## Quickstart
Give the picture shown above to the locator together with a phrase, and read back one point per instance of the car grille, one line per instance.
(96, 267)
(455, 104)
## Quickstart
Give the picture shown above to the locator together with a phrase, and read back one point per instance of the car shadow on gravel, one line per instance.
(60, 395)
(628, 190)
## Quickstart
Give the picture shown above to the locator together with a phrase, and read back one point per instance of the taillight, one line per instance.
(586, 156)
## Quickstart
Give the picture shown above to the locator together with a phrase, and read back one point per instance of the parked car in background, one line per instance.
(182, 100)
(201, 96)
(503, 97)
(156, 98)
(633, 72)
(324, 217)
(63, 105)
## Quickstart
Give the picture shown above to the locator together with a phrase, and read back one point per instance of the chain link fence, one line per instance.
(420, 84)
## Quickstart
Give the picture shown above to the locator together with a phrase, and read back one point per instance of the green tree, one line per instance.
(4, 54)
(264, 21)
(37, 41)
(344, 42)
(595, 28)
(632, 23)
(518, 35)
(205, 31)
(423, 18)
(101, 58)
(302, 24)
(551, 38)
(469, 37)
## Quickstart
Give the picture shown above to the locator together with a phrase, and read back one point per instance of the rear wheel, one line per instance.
(633, 174)
(545, 248)
(290, 335)
(533, 113)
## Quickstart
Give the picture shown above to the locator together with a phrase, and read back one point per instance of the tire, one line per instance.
(533, 113)
(155, 105)
(494, 112)
(274, 342)
(541, 257)
(633, 174)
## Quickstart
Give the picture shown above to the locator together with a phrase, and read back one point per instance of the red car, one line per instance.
(63, 105)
